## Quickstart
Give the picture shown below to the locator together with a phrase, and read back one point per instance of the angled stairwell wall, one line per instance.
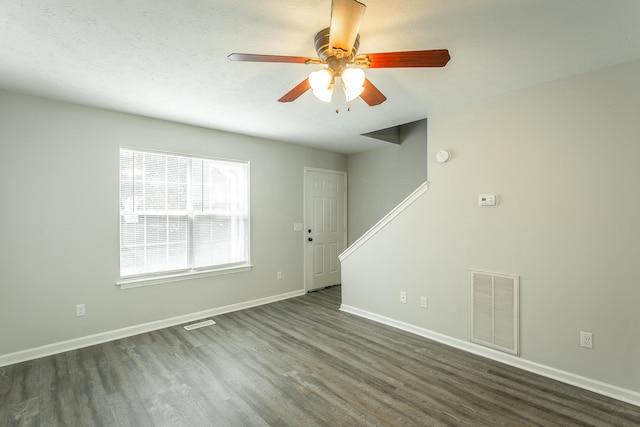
(563, 159)
(379, 179)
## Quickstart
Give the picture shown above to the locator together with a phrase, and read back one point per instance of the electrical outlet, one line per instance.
(80, 310)
(586, 339)
(424, 302)
(403, 297)
(279, 275)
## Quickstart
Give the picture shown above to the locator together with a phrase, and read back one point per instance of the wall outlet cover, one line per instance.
(80, 310)
(586, 339)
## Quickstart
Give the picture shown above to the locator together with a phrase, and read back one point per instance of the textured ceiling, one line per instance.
(168, 58)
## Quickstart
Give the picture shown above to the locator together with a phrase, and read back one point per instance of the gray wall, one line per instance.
(59, 220)
(380, 179)
(563, 159)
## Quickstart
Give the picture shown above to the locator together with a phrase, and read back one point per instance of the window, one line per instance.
(181, 214)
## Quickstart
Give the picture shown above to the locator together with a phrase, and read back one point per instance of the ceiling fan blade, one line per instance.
(269, 58)
(295, 93)
(371, 95)
(346, 16)
(413, 58)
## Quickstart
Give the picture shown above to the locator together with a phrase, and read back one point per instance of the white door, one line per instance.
(325, 225)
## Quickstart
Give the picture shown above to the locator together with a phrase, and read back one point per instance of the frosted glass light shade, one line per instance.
(352, 82)
(353, 93)
(322, 84)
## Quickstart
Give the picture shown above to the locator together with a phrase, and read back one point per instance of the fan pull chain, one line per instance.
(348, 107)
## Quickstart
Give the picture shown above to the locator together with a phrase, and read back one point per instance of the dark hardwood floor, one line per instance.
(299, 362)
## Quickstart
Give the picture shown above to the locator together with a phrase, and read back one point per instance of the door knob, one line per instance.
(310, 239)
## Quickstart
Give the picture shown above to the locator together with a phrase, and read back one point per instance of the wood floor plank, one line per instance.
(22, 381)
(25, 413)
(128, 411)
(298, 362)
(58, 402)
(89, 395)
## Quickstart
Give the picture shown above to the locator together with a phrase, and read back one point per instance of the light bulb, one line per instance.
(322, 84)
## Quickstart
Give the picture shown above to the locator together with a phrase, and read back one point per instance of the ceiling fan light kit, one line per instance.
(323, 81)
(337, 48)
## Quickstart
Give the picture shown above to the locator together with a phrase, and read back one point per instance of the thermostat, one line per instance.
(487, 200)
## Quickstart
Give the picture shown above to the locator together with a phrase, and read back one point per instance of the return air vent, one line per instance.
(494, 310)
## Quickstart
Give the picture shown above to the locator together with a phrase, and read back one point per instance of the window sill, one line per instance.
(156, 280)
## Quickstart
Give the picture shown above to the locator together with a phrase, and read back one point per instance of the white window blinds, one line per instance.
(181, 213)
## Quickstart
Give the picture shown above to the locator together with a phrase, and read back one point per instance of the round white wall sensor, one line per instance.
(442, 156)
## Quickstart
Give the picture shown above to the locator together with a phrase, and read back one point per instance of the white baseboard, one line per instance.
(89, 340)
(615, 392)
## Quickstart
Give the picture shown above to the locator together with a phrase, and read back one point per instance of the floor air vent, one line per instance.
(494, 310)
(199, 325)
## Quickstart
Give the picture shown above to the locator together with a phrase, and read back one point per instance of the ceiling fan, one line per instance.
(337, 47)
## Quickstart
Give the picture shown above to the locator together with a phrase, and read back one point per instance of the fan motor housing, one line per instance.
(321, 43)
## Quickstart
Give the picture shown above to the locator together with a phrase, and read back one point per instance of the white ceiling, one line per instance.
(168, 58)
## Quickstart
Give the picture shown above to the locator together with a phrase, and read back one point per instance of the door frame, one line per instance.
(306, 170)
